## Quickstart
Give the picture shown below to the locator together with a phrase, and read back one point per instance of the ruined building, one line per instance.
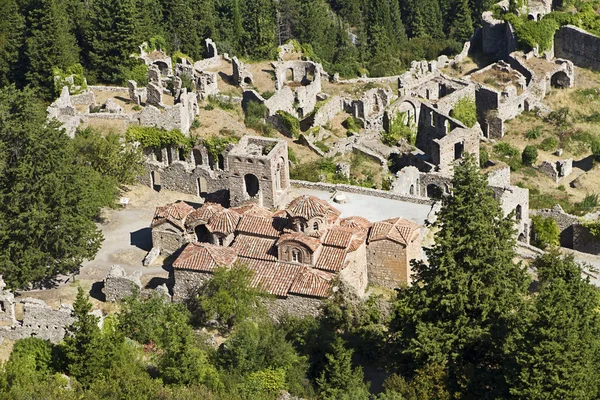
(296, 254)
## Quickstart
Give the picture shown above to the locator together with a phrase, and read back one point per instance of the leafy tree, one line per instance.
(338, 380)
(50, 44)
(46, 201)
(545, 232)
(557, 356)
(462, 305)
(229, 297)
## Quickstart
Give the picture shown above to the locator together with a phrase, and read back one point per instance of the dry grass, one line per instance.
(499, 79)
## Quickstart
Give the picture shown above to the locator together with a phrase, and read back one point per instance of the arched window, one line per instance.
(220, 240)
(296, 256)
(316, 226)
(519, 212)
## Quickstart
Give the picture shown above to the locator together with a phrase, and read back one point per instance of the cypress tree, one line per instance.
(111, 38)
(462, 25)
(557, 356)
(183, 29)
(462, 305)
(259, 27)
(50, 44)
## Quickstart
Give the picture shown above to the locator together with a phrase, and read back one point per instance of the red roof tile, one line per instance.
(338, 237)
(204, 213)
(308, 207)
(204, 257)
(357, 240)
(331, 259)
(273, 277)
(223, 222)
(176, 213)
(397, 229)
(312, 282)
(255, 247)
(310, 242)
(252, 209)
(261, 226)
(356, 223)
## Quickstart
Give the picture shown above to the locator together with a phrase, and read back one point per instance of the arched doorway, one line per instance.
(201, 186)
(252, 185)
(197, 157)
(560, 80)
(202, 234)
(434, 191)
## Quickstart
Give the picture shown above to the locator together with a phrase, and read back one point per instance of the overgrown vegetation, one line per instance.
(151, 137)
(215, 145)
(545, 232)
(352, 124)
(290, 123)
(465, 111)
(400, 128)
(255, 117)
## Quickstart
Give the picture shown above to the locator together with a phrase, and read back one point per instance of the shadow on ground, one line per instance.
(156, 282)
(142, 239)
(584, 164)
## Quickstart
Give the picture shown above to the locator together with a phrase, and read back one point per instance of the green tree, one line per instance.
(557, 356)
(462, 25)
(545, 232)
(462, 305)
(465, 111)
(12, 32)
(50, 44)
(338, 380)
(258, 18)
(111, 38)
(529, 155)
(46, 201)
(229, 297)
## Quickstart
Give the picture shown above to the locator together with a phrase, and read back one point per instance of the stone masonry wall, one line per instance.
(299, 306)
(355, 274)
(185, 283)
(387, 266)
(117, 285)
(565, 223)
(579, 46)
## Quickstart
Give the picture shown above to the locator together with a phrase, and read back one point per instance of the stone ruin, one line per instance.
(156, 58)
(557, 170)
(241, 75)
(212, 61)
(117, 285)
(206, 84)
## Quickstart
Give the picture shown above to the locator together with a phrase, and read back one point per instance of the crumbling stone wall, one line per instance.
(299, 306)
(206, 84)
(497, 37)
(584, 241)
(355, 275)
(306, 76)
(212, 61)
(578, 46)
(516, 199)
(241, 75)
(371, 106)
(186, 283)
(565, 222)
(408, 181)
(118, 286)
(557, 170)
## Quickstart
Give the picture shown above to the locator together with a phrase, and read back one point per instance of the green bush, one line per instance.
(352, 124)
(596, 149)
(137, 73)
(322, 146)
(215, 145)
(291, 123)
(255, 117)
(546, 232)
(504, 149)
(529, 155)
(465, 111)
(151, 137)
(484, 157)
(216, 101)
(534, 133)
(533, 33)
(398, 129)
(548, 144)
(77, 72)
(594, 228)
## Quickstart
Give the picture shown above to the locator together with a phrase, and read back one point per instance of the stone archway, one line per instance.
(251, 185)
(560, 80)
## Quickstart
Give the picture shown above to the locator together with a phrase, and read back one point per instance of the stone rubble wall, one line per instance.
(332, 107)
(118, 286)
(578, 46)
(84, 99)
(108, 88)
(186, 283)
(334, 187)
(565, 222)
(299, 306)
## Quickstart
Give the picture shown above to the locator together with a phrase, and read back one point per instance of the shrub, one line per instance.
(533, 33)
(151, 137)
(291, 123)
(267, 94)
(195, 124)
(596, 149)
(77, 72)
(465, 111)
(216, 101)
(548, 144)
(352, 124)
(255, 117)
(137, 73)
(546, 232)
(215, 145)
(484, 157)
(534, 133)
(529, 155)
(594, 228)
(322, 146)
(504, 149)
(399, 129)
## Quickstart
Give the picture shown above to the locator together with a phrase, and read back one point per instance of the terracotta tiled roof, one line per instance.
(204, 213)
(176, 213)
(261, 226)
(308, 207)
(252, 209)
(331, 259)
(357, 240)
(204, 257)
(356, 223)
(312, 282)
(223, 222)
(273, 277)
(397, 229)
(310, 242)
(338, 237)
(255, 247)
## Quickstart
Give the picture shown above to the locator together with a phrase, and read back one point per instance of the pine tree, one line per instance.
(148, 20)
(258, 18)
(338, 380)
(111, 38)
(12, 32)
(183, 29)
(46, 202)
(50, 44)
(557, 356)
(462, 26)
(462, 304)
